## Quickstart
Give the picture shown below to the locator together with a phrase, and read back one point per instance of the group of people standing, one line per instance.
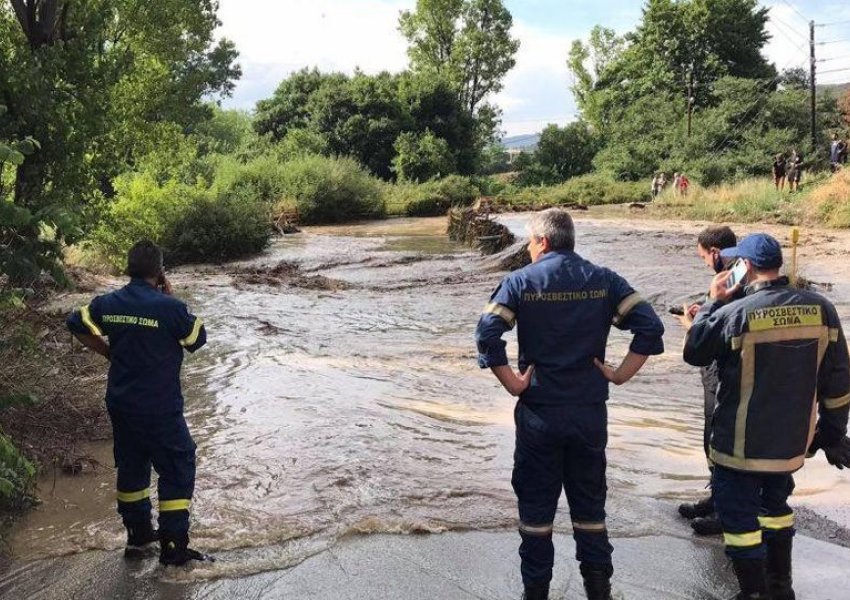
(777, 379)
(838, 149)
(681, 184)
(790, 169)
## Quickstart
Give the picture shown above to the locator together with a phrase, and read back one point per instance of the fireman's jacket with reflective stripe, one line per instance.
(148, 332)
(564, 307)
(782, 360)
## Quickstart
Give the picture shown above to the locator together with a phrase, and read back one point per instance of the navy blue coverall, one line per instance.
(148, 332)
(564, 307)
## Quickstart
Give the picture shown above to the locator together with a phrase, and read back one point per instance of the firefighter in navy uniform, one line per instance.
(783, 361)
(148, 330)
(564, 307)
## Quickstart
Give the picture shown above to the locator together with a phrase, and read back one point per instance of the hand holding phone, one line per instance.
(738, 273)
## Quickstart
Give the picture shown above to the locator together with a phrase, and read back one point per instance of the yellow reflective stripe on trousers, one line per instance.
(192, 337)
(134, 496)
(589, 526)
(87, 321)
(742, 540)
(833, 403)
(502, 311)
(170, 505)
(783, 522)
(545, 529)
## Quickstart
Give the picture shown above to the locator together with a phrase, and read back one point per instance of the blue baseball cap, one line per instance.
(762, 250)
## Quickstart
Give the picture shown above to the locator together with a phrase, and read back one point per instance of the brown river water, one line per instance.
(321, 413)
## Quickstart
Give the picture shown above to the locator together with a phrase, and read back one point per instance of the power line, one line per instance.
(841, 41)
(834, 71)
(797, 45)
(833, 23)
(794, 8)
(779, 21)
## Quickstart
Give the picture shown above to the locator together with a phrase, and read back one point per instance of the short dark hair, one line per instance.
(718, 236)
(144, 260)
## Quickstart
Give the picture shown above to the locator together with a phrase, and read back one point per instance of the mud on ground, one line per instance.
(56, 385)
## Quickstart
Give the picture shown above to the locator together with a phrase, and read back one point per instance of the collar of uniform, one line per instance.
(763, 285)
(562, 253)
(139, 281)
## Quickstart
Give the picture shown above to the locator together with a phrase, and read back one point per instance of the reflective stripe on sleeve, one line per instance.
(501, 311)
(774, 523)
(625, 307)
(541, 530)
(833, 403)
(193, 337)
(833, 335)
(172, 505)
(87, 321)
(742, 540)
(134, 496)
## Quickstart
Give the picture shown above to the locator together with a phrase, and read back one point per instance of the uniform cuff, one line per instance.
(647, 346)
(489, 361)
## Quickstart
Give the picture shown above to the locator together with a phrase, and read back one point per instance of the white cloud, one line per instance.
(276, 38)
(537, 90)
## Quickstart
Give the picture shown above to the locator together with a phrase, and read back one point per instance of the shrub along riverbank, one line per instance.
(227, 212)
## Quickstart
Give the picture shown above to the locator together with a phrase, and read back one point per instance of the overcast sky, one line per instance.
(277, 37)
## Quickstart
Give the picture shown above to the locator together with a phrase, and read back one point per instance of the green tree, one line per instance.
(678, 44)
(467, 42)
(566, 152)
(422, 157)
(99, 83)
(288, 108)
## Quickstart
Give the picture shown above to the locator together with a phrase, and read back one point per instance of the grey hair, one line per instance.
(556, 225)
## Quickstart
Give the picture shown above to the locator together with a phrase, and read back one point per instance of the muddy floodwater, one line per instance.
(351, 402)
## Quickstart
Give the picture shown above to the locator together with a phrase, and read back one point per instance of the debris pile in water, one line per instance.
(286, 273)
(475, 228)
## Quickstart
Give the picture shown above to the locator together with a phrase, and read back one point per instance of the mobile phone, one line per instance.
(160, 282)
(739, 271)
(676, 310)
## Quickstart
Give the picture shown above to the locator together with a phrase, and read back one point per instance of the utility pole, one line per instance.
(812, 87)
(690, 100)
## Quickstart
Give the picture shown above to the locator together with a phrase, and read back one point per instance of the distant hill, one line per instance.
(836, 88)
(526, 142)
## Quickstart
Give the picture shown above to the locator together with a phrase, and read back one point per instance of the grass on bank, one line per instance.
(823, 199)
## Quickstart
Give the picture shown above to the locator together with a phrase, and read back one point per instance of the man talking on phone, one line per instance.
(147, 330)
(564, 307)
(783, 362)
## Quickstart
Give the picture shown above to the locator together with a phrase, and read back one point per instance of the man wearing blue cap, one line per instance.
(782, 359)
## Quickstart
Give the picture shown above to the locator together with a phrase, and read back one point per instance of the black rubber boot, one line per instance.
(537, 592)
(703, 508)
(175, 551)
(779, 579)
(140, 540)
(597, 581)
(752, 578)
(707, 525)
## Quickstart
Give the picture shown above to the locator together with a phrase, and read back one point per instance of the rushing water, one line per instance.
(359, 408)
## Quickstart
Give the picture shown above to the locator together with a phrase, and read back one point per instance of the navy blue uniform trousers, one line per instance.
(560, 447)
(752, 508)
(164, 442)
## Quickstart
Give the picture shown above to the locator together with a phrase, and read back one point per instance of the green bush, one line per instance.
(17, 477)
(433, 198)
(218, 228)
(587, 190)
(261, 178)
(331, 190)
(422, 157)
(191, 223)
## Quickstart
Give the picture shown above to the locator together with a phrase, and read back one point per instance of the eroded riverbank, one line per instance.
(323, 413)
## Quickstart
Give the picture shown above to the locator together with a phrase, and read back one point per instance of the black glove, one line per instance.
(839, 454)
